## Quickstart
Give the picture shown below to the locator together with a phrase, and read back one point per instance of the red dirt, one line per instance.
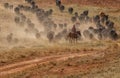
(17, 67)
(104, 3)
(101, 3)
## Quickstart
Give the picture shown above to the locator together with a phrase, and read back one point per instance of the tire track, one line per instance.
(21, 66)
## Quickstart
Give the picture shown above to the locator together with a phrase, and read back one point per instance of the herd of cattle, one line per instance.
(103, 29)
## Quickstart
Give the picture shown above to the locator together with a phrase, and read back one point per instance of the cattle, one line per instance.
(55, 26)
(65, 25)
(17, 19)
(58, 3)
(28, 21)
(99, 25)
(96, 19)
(37, 35)
(76, 14)
(104, 18)
(31, 25)
(58, 36)
(23, 17)
(110, 24)
(15, 40)
(8, 6)
(27, 8)
(87, 34)
(85, 12)
(32, 30)
(50, 36)
(113, 35)
(9, 37)
(109, 34)
(73, 19)
(81, 17)
(70, 10)
(20, 6)
(64, 32)
(84, 18)
(95, 32)
(61, 34)
(62, 7)
(20, 20)
(49, 12)
(17, 10)
(32, 3)
(61, 26)
(29, 1)
(33, 7)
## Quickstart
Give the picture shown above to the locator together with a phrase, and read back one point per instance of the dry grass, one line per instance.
(22, 53)
(88, 66)
(79, 67)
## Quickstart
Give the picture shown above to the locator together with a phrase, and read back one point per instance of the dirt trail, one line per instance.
(17, 67)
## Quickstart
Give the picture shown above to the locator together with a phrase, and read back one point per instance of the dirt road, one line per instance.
(20, 66)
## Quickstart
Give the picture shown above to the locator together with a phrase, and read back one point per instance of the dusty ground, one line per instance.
(67, 63)
(39, 59)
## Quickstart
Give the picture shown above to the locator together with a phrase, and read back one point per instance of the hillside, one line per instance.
(102, 3)
(36, 42)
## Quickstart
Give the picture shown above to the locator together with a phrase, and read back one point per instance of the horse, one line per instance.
(73, 36)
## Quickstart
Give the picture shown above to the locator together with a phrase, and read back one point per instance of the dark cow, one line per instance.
(109, 34)
(58, 3)
(86, 12)
(8, 6)
(62, 7)
(17, 10)
(49, 12)
(70, 10)
(84, 17)
(99, 25)
(110, 24)
(76, 14)
(104, 18)
(81, 17)
(20, 6)
(96, 19)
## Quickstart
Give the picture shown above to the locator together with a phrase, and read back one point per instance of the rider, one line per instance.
(74, 29)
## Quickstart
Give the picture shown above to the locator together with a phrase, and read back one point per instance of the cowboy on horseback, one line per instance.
(74, 35)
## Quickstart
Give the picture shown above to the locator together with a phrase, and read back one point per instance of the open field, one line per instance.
(28, 57)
